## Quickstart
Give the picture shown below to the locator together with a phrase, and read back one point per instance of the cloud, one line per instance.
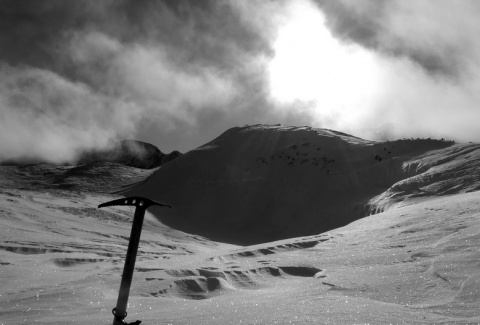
(423, 57)
(439, 36)
(145, 75)
(442, 31)
(76, 75)
(412, 103)
(44, 116)
(160, 71)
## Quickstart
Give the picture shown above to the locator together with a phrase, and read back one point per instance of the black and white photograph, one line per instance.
(240, 162)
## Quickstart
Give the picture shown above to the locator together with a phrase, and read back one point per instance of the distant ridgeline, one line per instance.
(261, 183)
(393, 147)
(131, 153)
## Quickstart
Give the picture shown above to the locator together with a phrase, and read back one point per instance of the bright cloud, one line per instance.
(311, 66)
(359, 89)
(45, 116)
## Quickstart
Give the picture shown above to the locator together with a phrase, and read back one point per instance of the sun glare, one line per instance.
(311, 65)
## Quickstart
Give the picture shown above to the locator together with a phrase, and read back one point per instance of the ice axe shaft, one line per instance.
(141, 204)
(122, 301)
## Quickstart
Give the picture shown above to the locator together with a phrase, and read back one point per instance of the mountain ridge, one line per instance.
(262, 183)
(131, 153)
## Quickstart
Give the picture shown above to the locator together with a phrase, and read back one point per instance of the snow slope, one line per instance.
(452, 170)
(61, 260)
(413, 262)
(262, 183)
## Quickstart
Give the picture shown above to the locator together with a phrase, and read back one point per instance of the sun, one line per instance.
(311, 65)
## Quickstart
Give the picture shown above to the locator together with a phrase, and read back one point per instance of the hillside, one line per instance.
(414, 262)
(262, 183)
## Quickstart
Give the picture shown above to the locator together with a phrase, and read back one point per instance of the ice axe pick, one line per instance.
(141, 205)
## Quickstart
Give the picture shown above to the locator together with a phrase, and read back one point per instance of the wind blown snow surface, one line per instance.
(415, 261)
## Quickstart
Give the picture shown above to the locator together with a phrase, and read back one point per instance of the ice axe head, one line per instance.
(136, 201)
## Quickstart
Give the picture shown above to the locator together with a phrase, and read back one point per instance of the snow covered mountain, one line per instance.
(415, 261)
(262, 183)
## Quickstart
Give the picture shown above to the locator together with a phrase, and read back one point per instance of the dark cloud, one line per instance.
(195, 32)
(31, 30)
(176, 65)
(360, 24)
(207, 32)
(371, 23)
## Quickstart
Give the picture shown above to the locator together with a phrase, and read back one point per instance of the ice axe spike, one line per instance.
(141, 204)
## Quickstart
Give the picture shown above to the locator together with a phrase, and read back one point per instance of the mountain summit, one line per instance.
(262, 183)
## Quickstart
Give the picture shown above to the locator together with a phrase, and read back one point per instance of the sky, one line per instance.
(77, 75)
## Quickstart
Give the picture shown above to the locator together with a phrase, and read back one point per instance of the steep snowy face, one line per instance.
(262, 183)
(452, 170)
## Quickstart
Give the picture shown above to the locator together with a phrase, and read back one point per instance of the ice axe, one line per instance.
(141, 205)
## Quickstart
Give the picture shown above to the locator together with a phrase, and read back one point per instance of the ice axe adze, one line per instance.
(141, 205)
